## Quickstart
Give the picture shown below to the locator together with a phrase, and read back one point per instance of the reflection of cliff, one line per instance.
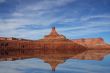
(54, 49)
(92, 55)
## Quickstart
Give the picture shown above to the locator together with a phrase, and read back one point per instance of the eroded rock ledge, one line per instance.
(93, 43)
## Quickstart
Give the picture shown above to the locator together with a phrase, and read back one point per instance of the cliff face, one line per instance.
(93, 43)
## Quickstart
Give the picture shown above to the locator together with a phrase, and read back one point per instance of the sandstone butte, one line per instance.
(93, 43)
(54, 48)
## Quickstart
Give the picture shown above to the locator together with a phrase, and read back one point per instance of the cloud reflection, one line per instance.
(35, 65)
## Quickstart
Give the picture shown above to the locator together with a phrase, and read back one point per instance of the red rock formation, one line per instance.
(53, 43)
(93, 43)
(54, 35)
(53, 48)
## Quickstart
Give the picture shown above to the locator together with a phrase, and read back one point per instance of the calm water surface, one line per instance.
(36, 65)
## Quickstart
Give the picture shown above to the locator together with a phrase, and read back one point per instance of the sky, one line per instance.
(32, 19)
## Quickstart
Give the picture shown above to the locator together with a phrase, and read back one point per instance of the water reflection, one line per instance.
(59, 56)
(35, 65)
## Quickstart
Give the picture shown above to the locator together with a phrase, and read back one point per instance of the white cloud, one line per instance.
(85, 29)
(47, 4)
(29, 14)
(86, 18)
(2, 1)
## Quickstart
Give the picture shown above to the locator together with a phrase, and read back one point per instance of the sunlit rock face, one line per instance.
(54, 36)
(93, 43)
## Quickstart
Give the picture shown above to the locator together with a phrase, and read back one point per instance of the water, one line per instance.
(35, 65)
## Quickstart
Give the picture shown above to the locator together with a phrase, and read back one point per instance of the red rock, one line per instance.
(92, 43)
(53, 48)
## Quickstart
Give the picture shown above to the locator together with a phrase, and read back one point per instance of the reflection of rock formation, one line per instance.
(92, 55)
(59, 56)
(53, 49)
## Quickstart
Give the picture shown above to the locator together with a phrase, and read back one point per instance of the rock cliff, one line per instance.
(92, 43)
